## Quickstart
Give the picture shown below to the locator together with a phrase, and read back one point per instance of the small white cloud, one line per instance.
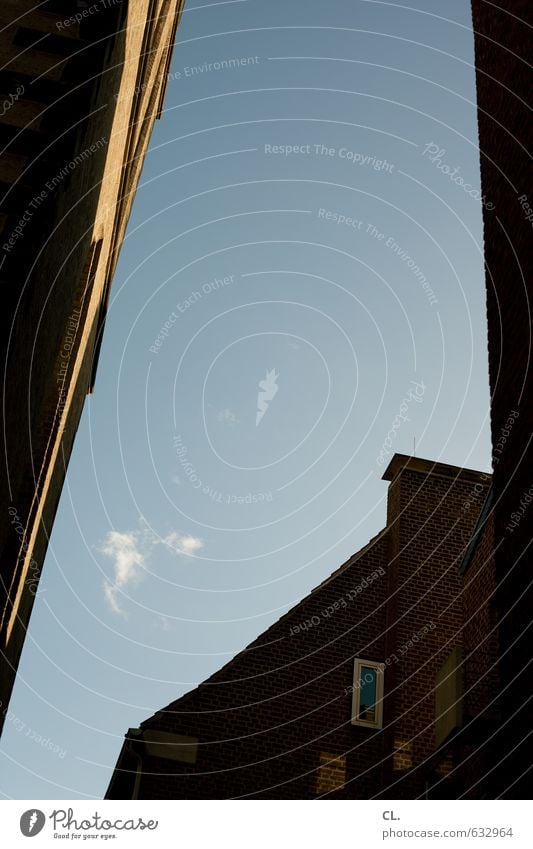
(129, 552)
(191, 544)
(128, 563)
(123, 548)
(228, 417)
(183, 543)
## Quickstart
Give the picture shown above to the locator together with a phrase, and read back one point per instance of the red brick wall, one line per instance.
(275, 721)
(480, 631)
(481, 673)
(282, 701)
(434, 528)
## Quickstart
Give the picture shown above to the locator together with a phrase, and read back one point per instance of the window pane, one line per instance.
(367, 693)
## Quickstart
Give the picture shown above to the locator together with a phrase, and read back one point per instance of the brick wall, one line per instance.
(502, 39)
(275, 722)
(475, 758)
(434, 530)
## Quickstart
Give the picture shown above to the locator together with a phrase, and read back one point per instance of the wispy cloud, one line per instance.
(183, 543)
(130, 551)
(128, 563)
(110, 595)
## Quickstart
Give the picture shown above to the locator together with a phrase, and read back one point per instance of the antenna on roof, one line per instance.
(414, 446)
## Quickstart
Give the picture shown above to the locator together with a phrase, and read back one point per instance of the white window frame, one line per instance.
(356, 692)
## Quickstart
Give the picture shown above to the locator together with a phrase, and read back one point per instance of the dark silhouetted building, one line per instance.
(503, 47)
(81, 85)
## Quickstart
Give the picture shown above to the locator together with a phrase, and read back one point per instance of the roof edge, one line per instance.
(405, 462)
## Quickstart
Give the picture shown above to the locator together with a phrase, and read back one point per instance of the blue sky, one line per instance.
(300, 224)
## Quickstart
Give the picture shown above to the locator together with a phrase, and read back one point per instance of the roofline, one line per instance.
(402, 462)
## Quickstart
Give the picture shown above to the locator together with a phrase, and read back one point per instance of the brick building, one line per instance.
(361, 689)
(502, 45)
(81, 85)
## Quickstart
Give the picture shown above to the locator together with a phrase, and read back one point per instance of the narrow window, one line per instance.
(367, 704)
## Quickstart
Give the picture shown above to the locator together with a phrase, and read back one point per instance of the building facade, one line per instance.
(358, 691)
(82, 84)
(502, 44)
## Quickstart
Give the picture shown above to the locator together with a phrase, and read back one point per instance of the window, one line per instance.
(367, 703)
